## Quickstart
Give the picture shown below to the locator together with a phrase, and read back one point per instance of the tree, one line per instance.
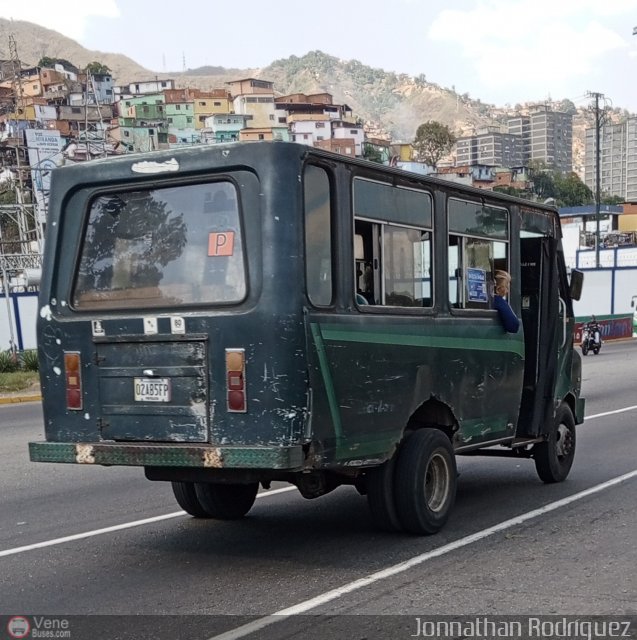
(97, 68)
(372, 153)
(542, 180)
(50, 63)
(571, 191)
(433, 140)
(46, 62)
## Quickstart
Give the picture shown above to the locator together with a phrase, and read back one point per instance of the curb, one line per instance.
(17, 399)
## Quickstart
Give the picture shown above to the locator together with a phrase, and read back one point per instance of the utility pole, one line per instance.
(599, 122)
(18, 94)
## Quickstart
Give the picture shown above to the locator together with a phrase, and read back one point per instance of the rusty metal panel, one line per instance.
(181, 416)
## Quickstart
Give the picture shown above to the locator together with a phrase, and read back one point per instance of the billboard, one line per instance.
(45, 154)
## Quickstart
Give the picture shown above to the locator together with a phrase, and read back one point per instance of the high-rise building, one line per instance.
(521, 126)
(491, 147)
(551, 138)
(544, 135)
(618, 160)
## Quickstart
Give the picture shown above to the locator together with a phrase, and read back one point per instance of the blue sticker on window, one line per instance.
(477, 285)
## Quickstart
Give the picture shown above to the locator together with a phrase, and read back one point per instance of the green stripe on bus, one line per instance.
(327, 380)
(505, 343)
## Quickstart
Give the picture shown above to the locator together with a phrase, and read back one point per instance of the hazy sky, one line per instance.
(501, 51)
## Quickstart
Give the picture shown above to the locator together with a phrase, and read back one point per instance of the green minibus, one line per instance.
(232, 315)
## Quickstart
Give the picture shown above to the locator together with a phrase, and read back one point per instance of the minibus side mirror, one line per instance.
(577, 282)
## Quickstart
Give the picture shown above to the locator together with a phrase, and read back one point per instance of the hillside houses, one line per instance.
(96, 118)
(155, 114)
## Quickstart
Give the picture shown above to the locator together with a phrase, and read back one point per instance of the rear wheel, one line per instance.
(554, 457)
(187, 499)
(380, 496)
(226, 501)
(425, 481)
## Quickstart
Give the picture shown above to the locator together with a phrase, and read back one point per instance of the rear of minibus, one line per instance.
(170, 329)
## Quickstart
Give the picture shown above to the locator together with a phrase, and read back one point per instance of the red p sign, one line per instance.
(221, 243)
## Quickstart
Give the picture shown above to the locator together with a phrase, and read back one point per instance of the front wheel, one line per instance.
(425, 481)
(585, 347)
(226, 501)
(554, 457)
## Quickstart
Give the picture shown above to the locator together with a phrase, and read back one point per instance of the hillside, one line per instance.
(391, 104)
(34, 42)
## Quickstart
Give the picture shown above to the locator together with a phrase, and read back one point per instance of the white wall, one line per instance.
(625, 289)
(598, 290)
(596, 294)
(25, 321)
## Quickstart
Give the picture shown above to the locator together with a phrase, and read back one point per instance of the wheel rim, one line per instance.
(563, 441)
(437, 482)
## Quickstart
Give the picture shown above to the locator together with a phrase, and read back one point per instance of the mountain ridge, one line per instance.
(392, 104)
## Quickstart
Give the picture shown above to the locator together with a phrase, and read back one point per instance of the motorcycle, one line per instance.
(588, 340)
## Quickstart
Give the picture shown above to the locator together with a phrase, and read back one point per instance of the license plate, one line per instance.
(151, 389)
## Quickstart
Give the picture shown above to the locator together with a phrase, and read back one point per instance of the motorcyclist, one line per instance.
(594, 329)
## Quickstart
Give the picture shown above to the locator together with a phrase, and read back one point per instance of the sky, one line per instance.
(500, 51)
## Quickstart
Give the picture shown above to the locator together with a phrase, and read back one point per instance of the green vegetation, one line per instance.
(97, 68)
(50, 63)
(18, 381)
(18, 371)
(433, 140)
(29, 360)
(567, 189)
(11, 361)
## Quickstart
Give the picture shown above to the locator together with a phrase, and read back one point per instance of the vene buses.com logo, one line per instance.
(18, 627)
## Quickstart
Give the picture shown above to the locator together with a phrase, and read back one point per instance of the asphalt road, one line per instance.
(566, 554)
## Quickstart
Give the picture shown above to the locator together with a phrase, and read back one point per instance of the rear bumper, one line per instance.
(168, 455)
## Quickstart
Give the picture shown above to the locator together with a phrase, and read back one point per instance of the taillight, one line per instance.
(73, 374)
(235, 380)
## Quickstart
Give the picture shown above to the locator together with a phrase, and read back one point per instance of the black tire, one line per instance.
(226, 501)
(425, 481)
(596, 350)
(554, 457)
(380, 497)
(585, 348)
(187, 499)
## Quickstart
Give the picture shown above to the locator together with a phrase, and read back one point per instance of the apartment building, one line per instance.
(521, 126)
(618, 160)
(490, 146)
(314, 119)
(551, 138)
(544, 135)
(255, 97)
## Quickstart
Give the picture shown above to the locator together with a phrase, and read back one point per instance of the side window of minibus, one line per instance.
(393, 244)
(367, 262)
(318, 235)
(392, 265)
(477, 247)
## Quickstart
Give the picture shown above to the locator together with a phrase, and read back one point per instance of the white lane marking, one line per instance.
(117, 527)
(177, 514)
(609, 413)
(312, 603)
